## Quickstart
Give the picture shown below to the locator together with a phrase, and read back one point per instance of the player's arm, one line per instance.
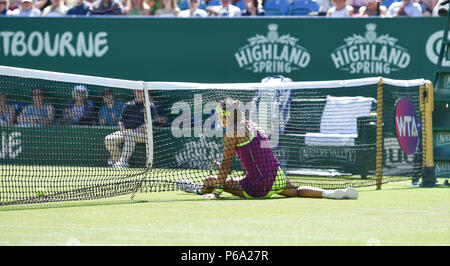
(225, 167)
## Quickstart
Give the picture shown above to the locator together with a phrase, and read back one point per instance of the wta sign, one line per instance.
(406, 126)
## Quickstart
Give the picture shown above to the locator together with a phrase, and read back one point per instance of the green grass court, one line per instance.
(399, 214)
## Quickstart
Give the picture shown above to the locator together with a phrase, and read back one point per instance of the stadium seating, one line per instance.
(277, 7)
(214, 3)
(240, 4)
(303, 7)
(387, 3)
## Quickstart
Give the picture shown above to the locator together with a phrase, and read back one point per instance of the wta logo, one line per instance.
(406, 126)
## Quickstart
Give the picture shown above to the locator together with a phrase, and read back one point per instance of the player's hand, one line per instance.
(210, 196)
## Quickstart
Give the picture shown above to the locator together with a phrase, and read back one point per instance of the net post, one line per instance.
(427, 108)
(149, 125)
(379, 152)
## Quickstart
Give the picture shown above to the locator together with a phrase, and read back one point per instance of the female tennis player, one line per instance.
(264, 176)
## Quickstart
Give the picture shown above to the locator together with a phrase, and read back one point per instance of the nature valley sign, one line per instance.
(370, 54)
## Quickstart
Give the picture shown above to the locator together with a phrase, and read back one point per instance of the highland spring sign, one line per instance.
(370, 54)
(272, 53)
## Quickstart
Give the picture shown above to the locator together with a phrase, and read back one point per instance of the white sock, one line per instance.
(333, 194)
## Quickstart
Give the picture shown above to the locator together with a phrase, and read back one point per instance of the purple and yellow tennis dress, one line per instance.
(264, 176)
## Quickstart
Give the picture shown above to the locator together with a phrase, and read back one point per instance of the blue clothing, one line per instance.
(4, 118)
(40, 114)
(108, 114)
(84, 115)
(3, 13)
(79, 10)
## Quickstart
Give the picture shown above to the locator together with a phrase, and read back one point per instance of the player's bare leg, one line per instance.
(312, 192)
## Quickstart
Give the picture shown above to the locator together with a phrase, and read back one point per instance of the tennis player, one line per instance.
(264, 176)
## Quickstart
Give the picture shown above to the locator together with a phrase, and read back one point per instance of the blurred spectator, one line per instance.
(427, 6)
(56, 9)
(193, 10)
(324, 5)
(38, 113)
(357, 4)
(340, 10)
(26, 9)
(13, 4)
(111, 112)
(79, 111)
(440, 9)
(169, 8)
(226, 9)
(154, 5)
(252, 8)
(81, 8)
(7, 112)
(3, 7)
(137, 8)
(405, 8)
(374, 8)
(106, 7)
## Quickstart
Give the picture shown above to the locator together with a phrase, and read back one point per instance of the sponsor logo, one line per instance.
(442, 139)
(272, 53)
(81, 44)
(442, 169)
(199, 153)
(370, 54)
(433, 48)
(11, 145)
(406, 126)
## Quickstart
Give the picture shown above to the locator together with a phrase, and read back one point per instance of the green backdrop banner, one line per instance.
(224, 49)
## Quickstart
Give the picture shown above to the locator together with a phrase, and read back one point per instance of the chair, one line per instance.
(214, 3)
(276, 7)
(346, 135)
(303, 7)
(240, 4)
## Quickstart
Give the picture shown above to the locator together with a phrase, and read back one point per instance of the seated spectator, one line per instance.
(340, 10)
(13, 4)
(226, 9)
(357, 4)
(137, 8)
(154, 5)
(79, 111)
(374, 8)
(405, 8)
(440, 9)
(81, 8)
(26, 9)
(111, 112)
(56, 9)
(193, 10)
(7, 112)
(38, 113)
(106, 7)
(3, 7)
(169, 8)
(324, 5)
(427, 6)
(252, 8)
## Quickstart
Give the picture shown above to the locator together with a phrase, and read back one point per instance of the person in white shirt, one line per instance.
(26, 9)
(340, 10)
(226, 9)
(56, 9)
(193, 10)
(405, 8)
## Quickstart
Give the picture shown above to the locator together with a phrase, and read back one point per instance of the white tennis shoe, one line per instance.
(188, 186)
(350, 193)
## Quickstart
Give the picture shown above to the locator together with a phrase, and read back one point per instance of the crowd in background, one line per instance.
(79, 110)
(223, 8)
